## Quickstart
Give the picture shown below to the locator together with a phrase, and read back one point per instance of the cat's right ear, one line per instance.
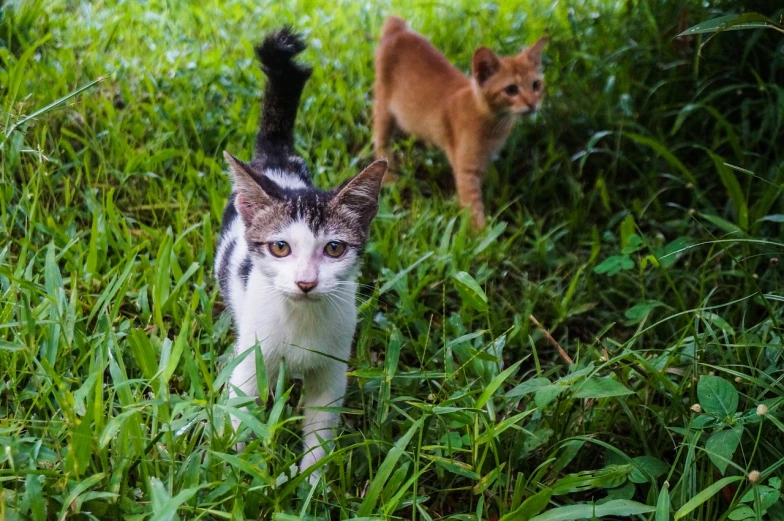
(484, 65)
(360, 193)
(534, 52)
(250, 197)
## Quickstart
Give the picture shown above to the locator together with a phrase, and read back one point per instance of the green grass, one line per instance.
(638, 217)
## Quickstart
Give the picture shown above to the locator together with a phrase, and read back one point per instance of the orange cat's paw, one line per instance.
(478, 221)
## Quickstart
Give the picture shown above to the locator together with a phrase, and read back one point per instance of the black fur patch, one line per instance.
(244, 272)
(223, 272)
(229, 214)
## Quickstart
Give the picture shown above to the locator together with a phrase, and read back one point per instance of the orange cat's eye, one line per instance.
(335, 249)
(511, 89)
(536, 85)
(279, 248)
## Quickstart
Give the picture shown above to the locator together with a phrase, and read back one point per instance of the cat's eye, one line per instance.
(335, 248)
(511, 89)
(279, 248)
(537, 85)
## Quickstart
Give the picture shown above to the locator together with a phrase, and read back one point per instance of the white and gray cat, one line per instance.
(289, 255)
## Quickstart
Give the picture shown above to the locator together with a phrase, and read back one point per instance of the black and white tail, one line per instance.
(285, 81)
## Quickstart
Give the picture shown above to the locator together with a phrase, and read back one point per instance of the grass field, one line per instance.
(637, 217)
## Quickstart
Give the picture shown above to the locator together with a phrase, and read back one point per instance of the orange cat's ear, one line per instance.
(534, 52)
(484, 64)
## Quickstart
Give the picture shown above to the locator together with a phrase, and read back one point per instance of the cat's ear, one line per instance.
(534, 52)
(360, 193)
(251, 197)
(484, 64)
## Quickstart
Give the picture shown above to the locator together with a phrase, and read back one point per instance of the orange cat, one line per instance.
(419, 91)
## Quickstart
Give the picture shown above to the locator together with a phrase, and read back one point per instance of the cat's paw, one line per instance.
(310, 459)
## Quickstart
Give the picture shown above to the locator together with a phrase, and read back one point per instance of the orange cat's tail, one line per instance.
(392, 25)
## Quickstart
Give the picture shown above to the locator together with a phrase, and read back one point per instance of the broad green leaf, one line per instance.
(547, 394)
(705, 421)
(624, 491)
(717, 396)
(610, 476)
(616, 507)
(33, 497)
(470, 291)
(567, 453)
(742, 512)
(633, 244)
(774, 218)
(454, 466)
(79, 489)
(600, 387)
(615, 264)
(674, 250)
(530, 507)
(768, 496)
(663, 504)
(716, 320)
(164, 507)
(639, 311)
(704, 495)
(629, 237)
(654, 467)
(722, 445)
(528, 387)
(722, 224)
(110, 431)
(143, 353)
(732, 22)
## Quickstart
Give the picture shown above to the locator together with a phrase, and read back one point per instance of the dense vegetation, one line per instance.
(636, 218)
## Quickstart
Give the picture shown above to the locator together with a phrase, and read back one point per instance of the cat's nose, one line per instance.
(306, 286)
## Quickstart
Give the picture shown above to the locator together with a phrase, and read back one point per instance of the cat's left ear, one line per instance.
(484, 64)
(534, 52)
(360, 194)
(251, 196)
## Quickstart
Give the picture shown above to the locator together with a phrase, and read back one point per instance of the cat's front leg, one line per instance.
(468, 179)
(324, 388)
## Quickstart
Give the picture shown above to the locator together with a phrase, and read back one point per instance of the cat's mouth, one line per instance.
(526, 110)
(300, 296)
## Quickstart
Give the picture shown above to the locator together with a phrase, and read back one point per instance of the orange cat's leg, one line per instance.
(383, 125)
(468, 179)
